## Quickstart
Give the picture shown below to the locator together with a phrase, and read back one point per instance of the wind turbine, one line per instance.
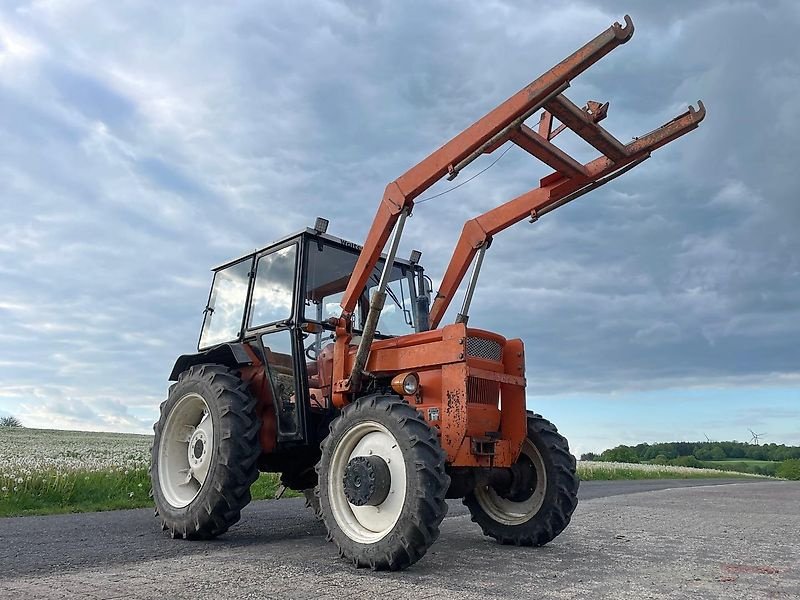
(754, 439)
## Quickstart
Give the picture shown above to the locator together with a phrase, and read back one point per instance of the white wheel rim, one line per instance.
(186, 450)
(508, 512)
(367, 524)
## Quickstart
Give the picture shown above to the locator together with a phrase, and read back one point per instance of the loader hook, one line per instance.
(624, 33)
(700, 112)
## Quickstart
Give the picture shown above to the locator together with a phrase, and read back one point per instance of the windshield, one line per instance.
(225, 310)
(329, 270)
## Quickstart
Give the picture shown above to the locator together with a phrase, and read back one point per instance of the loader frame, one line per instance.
(505, 123)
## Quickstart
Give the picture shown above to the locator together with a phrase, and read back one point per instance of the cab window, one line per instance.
(225, 310)
(328, 273)
(273, 291)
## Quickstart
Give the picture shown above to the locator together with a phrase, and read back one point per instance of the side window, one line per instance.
(397, 314)
(225, 311)
(273, 292)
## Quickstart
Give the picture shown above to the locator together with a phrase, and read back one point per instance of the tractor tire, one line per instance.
(312, 501)
(540, 508)
(205, 453)
(382, 483)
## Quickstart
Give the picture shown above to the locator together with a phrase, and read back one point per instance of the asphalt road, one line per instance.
(730, 539)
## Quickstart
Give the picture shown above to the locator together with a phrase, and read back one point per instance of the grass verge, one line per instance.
(81, 491)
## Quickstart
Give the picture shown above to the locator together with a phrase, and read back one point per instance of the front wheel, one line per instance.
(382, 483)
(539, 503)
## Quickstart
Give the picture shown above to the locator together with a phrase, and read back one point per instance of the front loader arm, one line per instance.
(469, 145)
(503, 124)
(554, 191)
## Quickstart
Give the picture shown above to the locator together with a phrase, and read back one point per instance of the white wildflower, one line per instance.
(57, 453)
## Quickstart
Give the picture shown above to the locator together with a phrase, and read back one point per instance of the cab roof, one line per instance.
(312, 233)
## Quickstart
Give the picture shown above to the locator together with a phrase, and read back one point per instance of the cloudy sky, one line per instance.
(145, 142)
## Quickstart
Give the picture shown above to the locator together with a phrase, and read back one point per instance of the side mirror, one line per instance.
(426, 288)
(423, 307)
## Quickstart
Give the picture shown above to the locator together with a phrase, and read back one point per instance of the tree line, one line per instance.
(702, 451)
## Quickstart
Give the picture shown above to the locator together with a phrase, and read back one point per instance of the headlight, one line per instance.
(406, 384)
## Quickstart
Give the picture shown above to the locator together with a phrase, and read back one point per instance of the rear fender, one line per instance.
(233, 356)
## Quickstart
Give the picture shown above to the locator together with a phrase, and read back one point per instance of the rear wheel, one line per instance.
(539, 503)
(204, 453)
(382, 483)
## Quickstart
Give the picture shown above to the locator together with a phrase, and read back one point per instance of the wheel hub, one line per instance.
(367, 481)
(367, 523)
(523, 480)
(197, 450)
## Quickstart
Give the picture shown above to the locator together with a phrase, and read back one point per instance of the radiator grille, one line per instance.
(481, 348)
(482, 391)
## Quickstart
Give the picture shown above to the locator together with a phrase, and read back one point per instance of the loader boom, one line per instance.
(504, 123)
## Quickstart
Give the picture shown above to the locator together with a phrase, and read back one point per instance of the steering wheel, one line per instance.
(311, 351)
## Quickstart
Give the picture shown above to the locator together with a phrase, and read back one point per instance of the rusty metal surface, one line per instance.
(548, 153)
(585, 126)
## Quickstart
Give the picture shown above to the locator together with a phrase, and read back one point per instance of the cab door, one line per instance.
(272, 318)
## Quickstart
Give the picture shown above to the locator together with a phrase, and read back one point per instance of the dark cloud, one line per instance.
(164, 140)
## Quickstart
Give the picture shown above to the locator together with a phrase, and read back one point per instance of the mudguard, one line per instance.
(230, 355)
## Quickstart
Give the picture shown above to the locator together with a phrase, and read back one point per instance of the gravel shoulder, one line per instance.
(726, 540)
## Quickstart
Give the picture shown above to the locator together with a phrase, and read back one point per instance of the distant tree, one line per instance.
(734, 449)
(624, 454)
(642, 451)
(717, 453)
(789, 469)
(757, 452)
(10, 422)
(589, 456)
(650, 453)
(703, 454)
(661, 459)
(780, 453)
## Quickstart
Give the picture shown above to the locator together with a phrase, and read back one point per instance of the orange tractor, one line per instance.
(327, 362)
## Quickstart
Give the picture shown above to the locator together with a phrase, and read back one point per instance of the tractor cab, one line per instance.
(282, 302)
